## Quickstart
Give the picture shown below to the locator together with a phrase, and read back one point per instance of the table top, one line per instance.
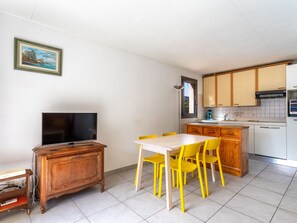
(174, 141)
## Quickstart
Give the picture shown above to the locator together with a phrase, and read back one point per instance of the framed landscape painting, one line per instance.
(37, 57)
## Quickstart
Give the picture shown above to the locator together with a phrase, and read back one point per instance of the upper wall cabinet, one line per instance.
(292, 77)
(272, 78)
(209, 91)
(244, 87)
(224, 90)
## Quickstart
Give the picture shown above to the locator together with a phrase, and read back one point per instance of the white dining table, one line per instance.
(165, 145)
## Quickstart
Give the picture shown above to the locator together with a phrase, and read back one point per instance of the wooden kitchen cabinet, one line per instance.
(234, 145)
(272, 78)
(244, 88)
(209, 91)
(224, 90)
(67, 169)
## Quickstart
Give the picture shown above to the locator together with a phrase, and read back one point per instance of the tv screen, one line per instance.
(68, 127)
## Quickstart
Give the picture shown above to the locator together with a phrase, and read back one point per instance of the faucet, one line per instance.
(226, 117)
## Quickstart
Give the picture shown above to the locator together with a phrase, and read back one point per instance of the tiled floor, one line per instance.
(267, 194)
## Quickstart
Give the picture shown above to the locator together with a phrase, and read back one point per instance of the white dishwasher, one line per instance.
(271, 141)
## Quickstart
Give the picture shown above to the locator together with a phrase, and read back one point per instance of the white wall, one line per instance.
(133, 95)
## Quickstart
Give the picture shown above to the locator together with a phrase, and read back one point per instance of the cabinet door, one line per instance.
(244, 88)
(209, 91)
(291, 77)
(224, 90)
(271, 141)
(291, 138)
(230, 154)
(272, 78)
(72, 172)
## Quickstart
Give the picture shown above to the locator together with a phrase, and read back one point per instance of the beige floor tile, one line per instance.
(289, 204)
(116, 213)
(94, 202)
(283, 216)
(281, 170)
(114, 180)
(200, 207)
(145, 204)
(263, 195)
(173, 216)
(125, 191)
(278, 187)
(252, 208)
(219, 195)
(226, 215)
(64, 212)
(16, 216)
(292, 190)
(83, 221)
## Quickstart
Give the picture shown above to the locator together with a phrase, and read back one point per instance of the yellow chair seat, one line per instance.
(158, 158)
(187, 166)
(208, 158)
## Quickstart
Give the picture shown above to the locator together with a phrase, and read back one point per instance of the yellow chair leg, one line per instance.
(160, 182)
(155, 178)
(200, 180)
(205, 178)
(185, 178)
(173, 178)
(221, 172)
(181, 191)
(177, 179)
(157, 170)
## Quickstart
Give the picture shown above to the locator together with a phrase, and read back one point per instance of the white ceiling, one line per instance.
(204, 36)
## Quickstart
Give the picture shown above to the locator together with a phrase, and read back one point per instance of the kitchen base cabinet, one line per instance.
(271, 141)
(234, 145)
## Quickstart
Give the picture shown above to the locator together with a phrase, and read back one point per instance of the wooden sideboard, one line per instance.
(234, 145)
(65, 169)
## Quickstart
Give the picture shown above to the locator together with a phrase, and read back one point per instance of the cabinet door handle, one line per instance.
(295, 119)
(220, 104)
(267, 127)
(212, 105)
(236, 104)
(294, 86)
(210, 131)
(281, 88)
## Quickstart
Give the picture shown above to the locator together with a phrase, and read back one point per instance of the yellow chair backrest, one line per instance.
(189, 151)
(169, 133)
(148, 136)
(212, 144)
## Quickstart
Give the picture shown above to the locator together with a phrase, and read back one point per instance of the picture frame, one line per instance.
(36, 57)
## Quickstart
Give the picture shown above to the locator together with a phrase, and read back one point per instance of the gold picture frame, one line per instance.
(36, 57)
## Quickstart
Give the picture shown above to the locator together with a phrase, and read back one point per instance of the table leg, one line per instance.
(139, 168)
(168, 180)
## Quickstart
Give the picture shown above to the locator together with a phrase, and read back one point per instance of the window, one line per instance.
(189, 97)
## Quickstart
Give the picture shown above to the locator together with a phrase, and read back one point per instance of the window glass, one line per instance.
(189, 98)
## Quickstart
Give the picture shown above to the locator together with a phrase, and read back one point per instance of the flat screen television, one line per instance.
(68, 127)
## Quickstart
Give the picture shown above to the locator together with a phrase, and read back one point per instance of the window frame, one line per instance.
(183, 113)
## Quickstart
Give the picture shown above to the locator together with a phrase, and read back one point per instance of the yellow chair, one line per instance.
(156, 159)
(169, 134)
(211, 146)
(182, 166)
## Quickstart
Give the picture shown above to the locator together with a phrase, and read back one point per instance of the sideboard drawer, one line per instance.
(211, 131)
(230, 133)
(191, 129)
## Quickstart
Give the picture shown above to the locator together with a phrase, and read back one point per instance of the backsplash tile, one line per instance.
(273, 108)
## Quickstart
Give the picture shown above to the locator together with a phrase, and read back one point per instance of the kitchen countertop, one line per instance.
(280, 122)
(229, 125)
